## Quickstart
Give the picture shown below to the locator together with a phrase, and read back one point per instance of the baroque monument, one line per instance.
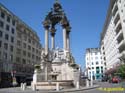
(58, 66)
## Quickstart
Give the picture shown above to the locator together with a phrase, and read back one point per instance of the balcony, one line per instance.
(118, 27)
(116, 18)
(119, 35)
(122, 54)
(114, 9)
(121, 46)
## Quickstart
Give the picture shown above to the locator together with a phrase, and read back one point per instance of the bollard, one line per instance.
(57, 86)
(33, 87)
(25, 85)
(91, 82)
(77, 85)
(87, 83)
(21, 85)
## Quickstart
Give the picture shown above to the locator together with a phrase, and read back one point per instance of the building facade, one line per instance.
(94, 65)
(113, 35)
(20, 48)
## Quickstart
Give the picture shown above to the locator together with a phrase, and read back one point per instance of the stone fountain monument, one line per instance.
(58, 68)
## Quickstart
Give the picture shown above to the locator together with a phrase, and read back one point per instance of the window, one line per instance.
(5, 46)
(18, 43)
(101, 67)
(13, 22)
(1, 24)
(97, 62)
(19, 35)
(33, 42)
(24, 45)
(25, 37)
(18, 59)
(12, 30)
(92, 63)
(33, 49)
(5, 55)
(7, 27)
(12, 39)
(33, 56)
(11, 48)
(96, 53)
(29, 47)
(29, 55)
(96, 57)
(1, 33)
(101, 71)
(36, 51)
(24, 53)
(29, 40)
(18, 51)
(6, 37)
(97, 72)
(24, 61)
(92, 67)
(0, 54)
(0, 43)
(8, 19)
(2, 15)
(11, 57)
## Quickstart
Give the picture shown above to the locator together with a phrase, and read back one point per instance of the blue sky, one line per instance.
(86, 17)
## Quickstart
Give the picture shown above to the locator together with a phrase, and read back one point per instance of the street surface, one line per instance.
(104, 86)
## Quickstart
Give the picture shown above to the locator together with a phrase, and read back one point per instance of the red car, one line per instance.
(115, 79)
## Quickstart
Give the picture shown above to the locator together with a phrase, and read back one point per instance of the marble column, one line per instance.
(46, 25)
(53, 41)
(46, 41)
(53, 38)
(64, 39)
(68, 41)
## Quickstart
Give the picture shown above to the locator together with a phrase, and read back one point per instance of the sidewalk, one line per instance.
(29, 90)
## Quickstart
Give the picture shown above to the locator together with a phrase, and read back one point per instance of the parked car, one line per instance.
(115, 79)
(105, 79)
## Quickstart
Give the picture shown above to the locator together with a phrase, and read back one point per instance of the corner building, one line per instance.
(113, 36)
(94, 65)
(20, 49)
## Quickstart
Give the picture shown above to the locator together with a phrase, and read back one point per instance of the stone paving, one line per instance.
(95, 89)
(29, 90)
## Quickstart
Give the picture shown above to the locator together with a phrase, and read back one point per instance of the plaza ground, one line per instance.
(96, 89)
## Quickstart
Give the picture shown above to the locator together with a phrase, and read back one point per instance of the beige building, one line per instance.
(20, 48)
(113, 35)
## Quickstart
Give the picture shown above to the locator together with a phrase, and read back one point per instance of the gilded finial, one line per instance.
(56, 1)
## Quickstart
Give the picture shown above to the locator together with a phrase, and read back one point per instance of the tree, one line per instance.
(121, 71)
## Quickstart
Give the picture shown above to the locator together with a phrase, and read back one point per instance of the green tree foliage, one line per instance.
(121, 71)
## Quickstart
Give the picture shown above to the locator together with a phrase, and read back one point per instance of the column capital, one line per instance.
(52, 30)
(46, 24)
(64, 23)
(68, 29)
(53, 34)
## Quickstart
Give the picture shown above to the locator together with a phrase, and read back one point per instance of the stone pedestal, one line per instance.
(38, 77)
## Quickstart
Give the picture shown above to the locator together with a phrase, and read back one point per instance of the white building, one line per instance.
(94, 65)
(113, 36)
